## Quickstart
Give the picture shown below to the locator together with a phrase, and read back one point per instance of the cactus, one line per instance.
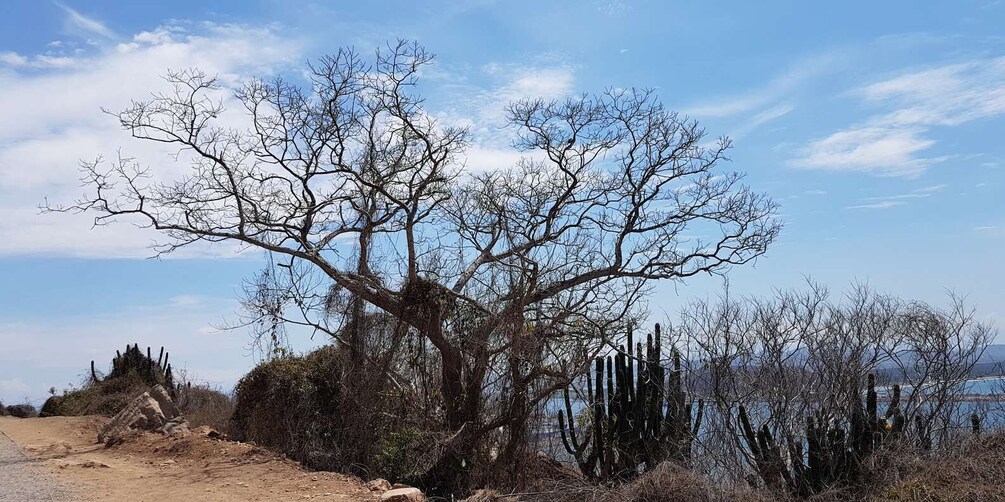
(832, 454)
(133, 361)
(642, 419)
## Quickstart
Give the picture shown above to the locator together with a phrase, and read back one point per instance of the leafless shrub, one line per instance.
(800, 352)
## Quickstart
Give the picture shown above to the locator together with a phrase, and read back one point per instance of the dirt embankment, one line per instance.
(152, 467)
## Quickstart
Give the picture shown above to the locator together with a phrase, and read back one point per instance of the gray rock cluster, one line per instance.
(150, 411)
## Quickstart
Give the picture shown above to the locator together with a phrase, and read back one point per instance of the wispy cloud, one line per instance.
(919, 193)
(12, 59)
(758, 106)
(879, 205)
(768, 96)
(894, 141)
(79, 22)
(888, 201)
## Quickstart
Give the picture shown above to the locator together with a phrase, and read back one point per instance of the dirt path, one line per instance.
(67, 462)
(20, 480)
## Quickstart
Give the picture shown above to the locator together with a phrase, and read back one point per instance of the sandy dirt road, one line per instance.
(59, 459)
(22, 480)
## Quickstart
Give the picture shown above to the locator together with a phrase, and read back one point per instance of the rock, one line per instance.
(403, 495)
(378, 485)
(150, 411)
(92, 464)
(177, 426)
(168, 408)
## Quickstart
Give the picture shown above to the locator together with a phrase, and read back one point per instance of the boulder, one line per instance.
(168, 408)
(144, 413)
(403, 495)
(177, 426)
(378, 485)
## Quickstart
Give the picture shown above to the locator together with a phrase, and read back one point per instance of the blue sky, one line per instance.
(877, 126)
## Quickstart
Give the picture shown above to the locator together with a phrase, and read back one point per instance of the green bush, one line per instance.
(400, 452)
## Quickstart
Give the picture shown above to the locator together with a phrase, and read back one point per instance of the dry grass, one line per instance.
(668, 482)
(972, 472)
(202, 405)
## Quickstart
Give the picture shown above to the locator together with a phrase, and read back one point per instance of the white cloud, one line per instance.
(879, 205)
(893, 141)
(483, 110)
(876, 150)
(12, 59)
(79, 22)
(53, 118)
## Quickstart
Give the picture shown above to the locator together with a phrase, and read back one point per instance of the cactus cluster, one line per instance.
(133, 361)
(639, 414)
(833, 452)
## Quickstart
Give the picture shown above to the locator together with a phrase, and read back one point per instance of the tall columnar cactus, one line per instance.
(833, 452)
(133, 361)
(639, 414)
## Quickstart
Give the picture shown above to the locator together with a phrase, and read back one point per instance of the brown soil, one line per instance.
(154, 467)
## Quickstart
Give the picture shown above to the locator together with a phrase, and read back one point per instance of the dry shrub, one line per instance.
(972, 471)
(106, 397)
(22, 411)
(202, 405)
(671, 482)
(291, 405)
(668, 482)
(3, 411)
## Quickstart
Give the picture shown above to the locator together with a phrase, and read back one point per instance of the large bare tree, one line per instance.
(512, 276)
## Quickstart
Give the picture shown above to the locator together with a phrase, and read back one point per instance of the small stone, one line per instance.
(378, 485)
(403, 495)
